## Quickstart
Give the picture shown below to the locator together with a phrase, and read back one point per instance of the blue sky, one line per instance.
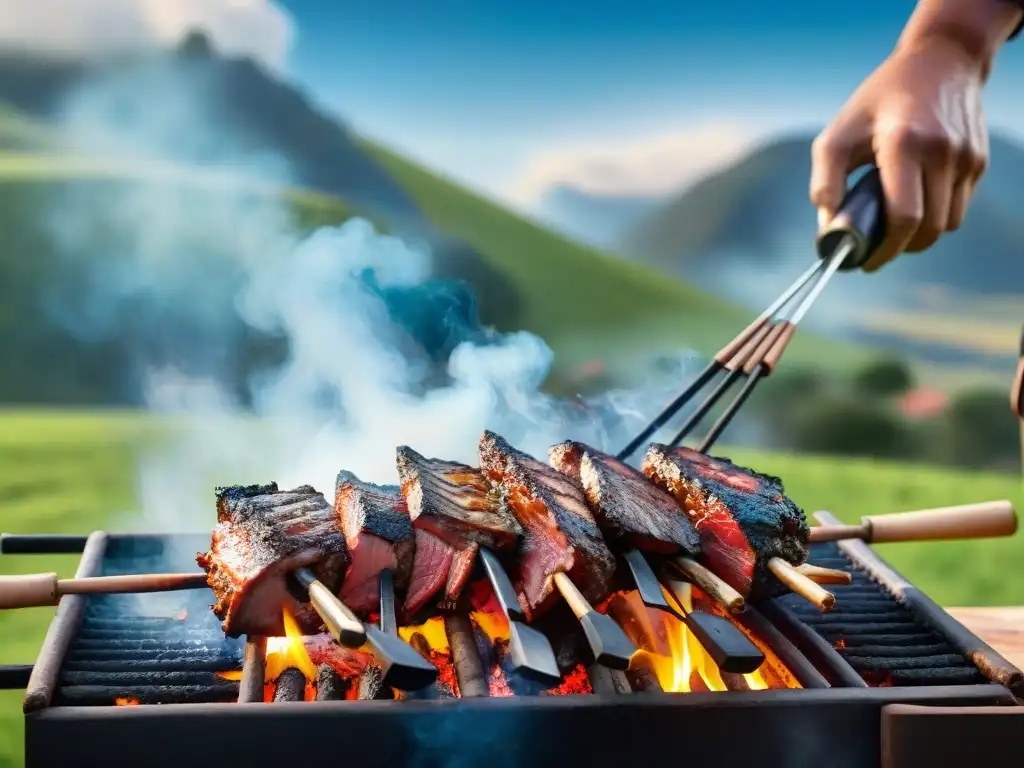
(503, 95)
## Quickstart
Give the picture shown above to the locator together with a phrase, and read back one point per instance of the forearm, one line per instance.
(979, 27)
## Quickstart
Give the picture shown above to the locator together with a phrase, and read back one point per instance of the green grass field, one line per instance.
(75, 472)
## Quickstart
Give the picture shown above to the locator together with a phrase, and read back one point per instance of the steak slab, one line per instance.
(262, 535)
(379, 536)
(743, 517)
(626, 505)
(560, 533)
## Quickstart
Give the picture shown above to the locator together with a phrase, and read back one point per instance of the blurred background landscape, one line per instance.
(248, 241)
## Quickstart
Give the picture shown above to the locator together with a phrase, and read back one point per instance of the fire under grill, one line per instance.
(151, 679)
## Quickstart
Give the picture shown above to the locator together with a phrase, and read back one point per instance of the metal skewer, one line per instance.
(727, 645)
(402, 667)
(846, 243)
(529, 650)
(717, 364)
(608, 643)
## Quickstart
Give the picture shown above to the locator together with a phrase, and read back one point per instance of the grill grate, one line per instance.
(149, 649)
(880, 639)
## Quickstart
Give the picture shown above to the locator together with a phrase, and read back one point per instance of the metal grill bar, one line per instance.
(147, 649)
(872, 634)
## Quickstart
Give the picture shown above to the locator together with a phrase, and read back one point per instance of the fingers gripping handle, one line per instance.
(861, 218)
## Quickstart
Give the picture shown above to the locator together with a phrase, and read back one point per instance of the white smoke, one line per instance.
(346, 396)
(259, 29)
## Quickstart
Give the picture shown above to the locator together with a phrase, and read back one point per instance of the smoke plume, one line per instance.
(378, 352)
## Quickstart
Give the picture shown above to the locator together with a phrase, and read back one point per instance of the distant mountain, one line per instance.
(256, 114)
(591, 218)
(752, 223)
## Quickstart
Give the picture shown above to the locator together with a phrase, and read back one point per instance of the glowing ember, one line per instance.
(285, 652)
(431, 641)
(126, 702)
(231, 674)
(575, 682)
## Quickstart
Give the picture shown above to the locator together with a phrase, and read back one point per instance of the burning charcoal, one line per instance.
(291, 685)
(455, 502)
(626, 504)
(262, 535)
(734, 682)
(469, 667)
(642, 677)
(329, 685)
(371, 685)
(744, 518)
(561, 535)
(379, 536)
(607, 682)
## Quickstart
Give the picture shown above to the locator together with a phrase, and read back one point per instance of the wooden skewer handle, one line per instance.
(572, 595)
(970, 521)
(38, 589)
(29, 591)
(988, 519)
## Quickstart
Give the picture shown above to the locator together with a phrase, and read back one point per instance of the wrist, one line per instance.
(977, 28)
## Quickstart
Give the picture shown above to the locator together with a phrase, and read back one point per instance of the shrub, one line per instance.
(982, 430)
(852, 427)
(884, 378)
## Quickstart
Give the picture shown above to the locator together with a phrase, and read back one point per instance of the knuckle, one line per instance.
(903, 221)
(979, 164)
(824, 145)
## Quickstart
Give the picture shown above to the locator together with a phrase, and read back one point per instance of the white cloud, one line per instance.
(654, 165)
(257, 28)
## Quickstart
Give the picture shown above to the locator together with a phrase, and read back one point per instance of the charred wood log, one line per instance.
(291, 685)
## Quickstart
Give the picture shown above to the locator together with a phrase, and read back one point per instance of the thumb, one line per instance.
(830, 159)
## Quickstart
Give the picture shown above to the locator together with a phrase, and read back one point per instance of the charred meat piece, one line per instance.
(379, 536)
(561, 536)
(262, 535)
(626, 504)
(455, 502)
(744, 518)
(438, 564)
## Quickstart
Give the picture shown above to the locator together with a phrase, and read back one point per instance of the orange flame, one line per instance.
(126, 702)
(689, 667)
(288, 651)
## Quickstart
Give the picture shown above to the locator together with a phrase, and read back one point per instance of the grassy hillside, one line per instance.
(74, 472)
(585, 303)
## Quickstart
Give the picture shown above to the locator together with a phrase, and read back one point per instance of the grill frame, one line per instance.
(839, 726)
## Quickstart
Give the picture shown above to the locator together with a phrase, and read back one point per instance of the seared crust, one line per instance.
(626, 505)
(561, 534)
(455, 502)
(261, 536)
(744, 518)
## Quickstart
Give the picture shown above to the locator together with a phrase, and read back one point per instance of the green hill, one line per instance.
(586, 304)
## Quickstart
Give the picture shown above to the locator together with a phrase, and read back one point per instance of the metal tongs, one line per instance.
(846, 243)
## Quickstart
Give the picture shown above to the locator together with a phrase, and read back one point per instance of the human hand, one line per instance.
(919, 117)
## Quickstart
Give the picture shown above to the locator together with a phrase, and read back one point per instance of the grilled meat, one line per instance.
(437, 564)
(262, 535)
(744, 518)
(626, 504)
(379, 536)
(561, 535)
(455, 502)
